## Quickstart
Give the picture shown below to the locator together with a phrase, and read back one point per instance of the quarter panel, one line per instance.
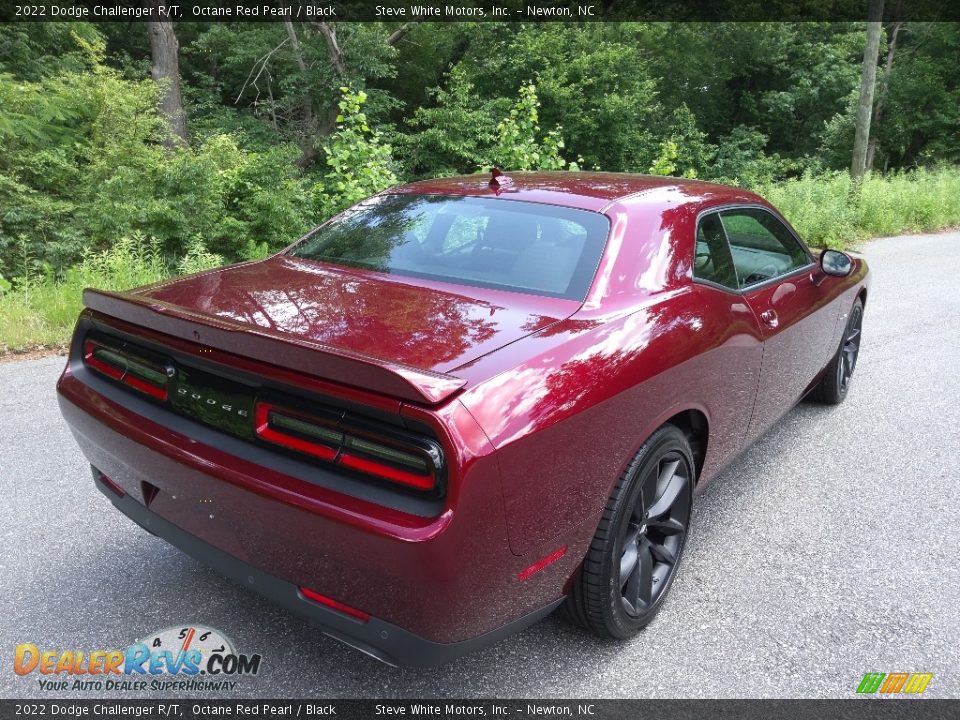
(567, 421)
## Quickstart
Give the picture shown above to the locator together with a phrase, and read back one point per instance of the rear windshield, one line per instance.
(520, 246)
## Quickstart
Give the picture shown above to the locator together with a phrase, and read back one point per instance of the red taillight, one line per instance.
(160, 393)
(334, 604)
(415, 464)
(88, 356)
(134, 372)
(355, 462)
(267, 421)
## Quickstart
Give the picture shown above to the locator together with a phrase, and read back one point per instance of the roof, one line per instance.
(584, 190)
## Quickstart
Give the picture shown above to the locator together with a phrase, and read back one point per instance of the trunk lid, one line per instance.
(402, 336)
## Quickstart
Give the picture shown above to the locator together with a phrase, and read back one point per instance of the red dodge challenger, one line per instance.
(462, 403)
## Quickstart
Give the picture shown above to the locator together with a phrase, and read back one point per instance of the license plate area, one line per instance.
(214, 401)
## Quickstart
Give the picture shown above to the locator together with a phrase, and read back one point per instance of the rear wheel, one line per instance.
(636, 550)
(833, 388)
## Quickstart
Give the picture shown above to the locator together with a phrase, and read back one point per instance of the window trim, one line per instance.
(693, 266)
(742, 291)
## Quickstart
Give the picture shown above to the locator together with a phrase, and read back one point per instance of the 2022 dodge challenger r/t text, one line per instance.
(462, 403)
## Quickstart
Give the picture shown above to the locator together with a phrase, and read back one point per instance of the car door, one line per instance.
(776, 275)
(733, 362)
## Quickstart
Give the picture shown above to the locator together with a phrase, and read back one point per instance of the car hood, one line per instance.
(419, 323)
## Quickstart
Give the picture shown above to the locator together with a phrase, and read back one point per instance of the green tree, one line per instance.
(359, 162)
(519, 143)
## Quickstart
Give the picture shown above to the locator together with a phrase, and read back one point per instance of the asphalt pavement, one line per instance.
(827, 550)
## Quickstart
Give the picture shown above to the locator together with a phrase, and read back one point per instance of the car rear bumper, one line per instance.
(433, 587)
(384, 641)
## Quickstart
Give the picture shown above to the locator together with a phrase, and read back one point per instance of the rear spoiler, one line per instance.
(322, 361)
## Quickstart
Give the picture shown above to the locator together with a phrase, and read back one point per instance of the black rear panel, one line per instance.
(215, 405)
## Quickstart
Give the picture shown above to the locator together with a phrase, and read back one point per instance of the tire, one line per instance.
(619, 590)
(833, 387)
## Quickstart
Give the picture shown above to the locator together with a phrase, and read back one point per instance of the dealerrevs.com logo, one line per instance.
(188, 657)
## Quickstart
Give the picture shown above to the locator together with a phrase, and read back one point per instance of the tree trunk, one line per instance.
(295, 44)
(868, 79)
(881, 95)
(398, 34)
(334, 53)
(165, 69)
(307, 150)
(328, 123)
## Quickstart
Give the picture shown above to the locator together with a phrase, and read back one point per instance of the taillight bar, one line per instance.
(355, 443)
(281, 429)
(132, 371)
(414, 462)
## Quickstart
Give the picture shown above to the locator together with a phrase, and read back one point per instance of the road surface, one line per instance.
(827, 550)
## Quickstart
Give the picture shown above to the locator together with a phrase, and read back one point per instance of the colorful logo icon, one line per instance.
(893, 683)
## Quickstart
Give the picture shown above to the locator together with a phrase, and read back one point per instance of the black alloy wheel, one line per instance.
(833, 387)
(850, 348)
(636, 550)
(654, 533)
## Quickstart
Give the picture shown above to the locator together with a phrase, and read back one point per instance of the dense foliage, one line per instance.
(286, 128)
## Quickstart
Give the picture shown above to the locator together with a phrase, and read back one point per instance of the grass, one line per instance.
(827, 212)
(38, 310)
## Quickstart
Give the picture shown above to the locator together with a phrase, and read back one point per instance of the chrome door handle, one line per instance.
(770, 318)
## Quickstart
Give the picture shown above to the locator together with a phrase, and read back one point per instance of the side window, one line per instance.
(712, 260)
(761, 246)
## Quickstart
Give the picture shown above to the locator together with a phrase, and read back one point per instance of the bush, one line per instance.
(81, 164)
(462, 135)
(38, 308)
(229, 196)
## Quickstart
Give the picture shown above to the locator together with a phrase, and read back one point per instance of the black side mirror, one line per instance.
(834, 262)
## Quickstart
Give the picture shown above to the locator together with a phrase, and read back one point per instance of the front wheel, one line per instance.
(635, 552)
(835, 383)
